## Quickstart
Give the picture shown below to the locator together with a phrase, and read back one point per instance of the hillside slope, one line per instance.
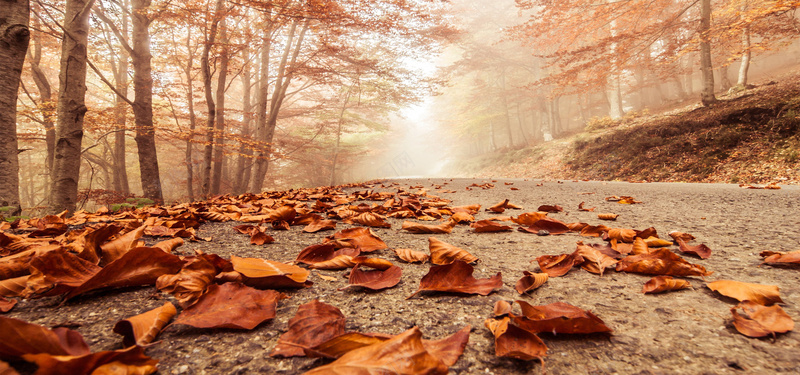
(750, 137)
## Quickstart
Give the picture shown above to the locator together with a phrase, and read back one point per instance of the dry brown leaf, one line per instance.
(558, 265)
(124, 361)
(462, 217)
(530, 281)
(13, 287)
(558, 317)
(320, 253)
(639, 246)
(457, 277)
(411, 256)
(594, 231)
(57, 272)
(661, 262)
(262, 273)
(550, 208)
(680, 235)
(781, 258)
(314, 323)
(529, 218)
(445, 253)
(553, 226)
(122, 244)
(231, 305)
(607, 216)
(581, 208)
(376, 263)
(338, 262)
(594, 260)
(620, 234)
(6, 305)
(20, 338)
(319, 225)
(501, 308)
(661, 284)
(402, 354)
(417, 228)
(374, 279)
(5, 368)
(143, 328)
(758, 293)
(514, 342)
(169, 245)
(761, 320)
(360, 238)
(489, 226)
(701, 250)
(657, 242)
(370, 219)
(190, 283)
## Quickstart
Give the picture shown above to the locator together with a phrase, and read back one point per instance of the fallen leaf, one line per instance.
(554, 226)
(758, 293)
(529, 218)
(116, 248)
(143, 328)
(320, 225)
(457, 277)
(661, 284)
(657, 242)
(20, 337)
(660, 262)
(607, 216)
(417, 228)
(639, 247)
(462, 217)
(781, 258)
(6, 305)
(231, 305)
(124, 361)
(761, 320)
(340, 345)
(139, 266)
(502, 206)
(620, 234)
(360, 238)
(5, 369)
(558, 265)
(550, 208)
(445, 253)
(680, 235)
(314, 323)
(262, 273)
(57, 272)
(169, 245)
(411, 256)
(371, 220)
(594, 231)
(594, 261)
(338, 262)
(501, 308)
(190, 283)
(488, 226)
(530, 281)
(374, 279)
(558, 317)
(402, 354)
(376, 263)
(259, 237)
(513, 342)
(13, 287)
(701, 250)
(581, 208)
(316, 254)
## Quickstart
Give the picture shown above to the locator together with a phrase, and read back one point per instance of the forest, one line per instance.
(130, 102)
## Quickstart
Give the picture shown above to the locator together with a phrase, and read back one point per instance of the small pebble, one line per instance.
(543, 233)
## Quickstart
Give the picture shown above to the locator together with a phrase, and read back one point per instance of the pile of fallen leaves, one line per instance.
(60, 256)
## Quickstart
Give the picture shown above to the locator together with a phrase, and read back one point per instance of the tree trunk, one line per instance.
(46, 102)
(219, 127)
(707, 94)
(14, 39)
(555, 117)
(338, 138)
(504, 99)
(143, 102)
(261, 108)
(205, 69)
(741, 81)
(243, 159)
(279, 94)
(71, 107)
(192, 120)
(120, 170)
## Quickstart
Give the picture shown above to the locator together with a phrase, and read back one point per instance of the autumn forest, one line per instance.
(109, 102)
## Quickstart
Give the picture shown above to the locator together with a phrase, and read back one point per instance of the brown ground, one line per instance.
(684, 332)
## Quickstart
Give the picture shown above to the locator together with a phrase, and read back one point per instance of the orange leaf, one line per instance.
(594, 260)
(761, 294)
(20, 337)
(5, 369)
(339, 345)
(360, 238)
(57, 272)
(170, 244)
(661, 262)
(487, 226)
(550, 208)
(553, 226)
(314, 323)
(13, 287)
(457, 277)
(6, 305)
(319, 225)
(374, 279)
(190, 283)
(417, 228)
(262, 273)
(325, 256)
(594, 231)
(502, 308)
(124, 361)
(639, 247)
(502, 206)
(607, 216)
(450, 348)
(558, 265)
(445, 253)
(558, 317)
(762, 320)
(116, 248)
(402, 354)
(657, 242)
(782, 258)
(231, 305)
(620, 234)
(680, 235)
(371, 220)
(462, 217)
(581, 208)
(701, 250)
(376, 263)
(661, 284)
(530, 281)
(140, 266)
(338, 262)
(143, 328)
(411, 256)
(513, 342)
(529, 218)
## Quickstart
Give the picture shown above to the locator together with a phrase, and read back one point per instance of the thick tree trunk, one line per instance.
(143, 102)
(262, 97)
(205, 69)
(120, 171)
(71, 107)
(14, 39)
(219, 126)
(707, 94)
(243, 160)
